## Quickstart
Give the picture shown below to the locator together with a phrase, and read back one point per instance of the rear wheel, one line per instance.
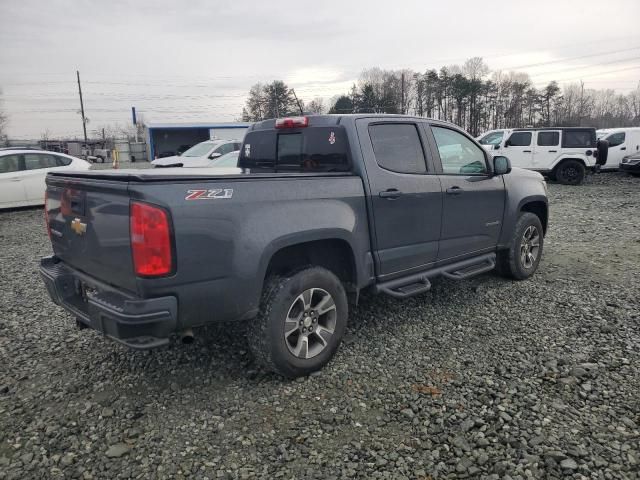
(570, 172)
(301, 322)
(522, 258)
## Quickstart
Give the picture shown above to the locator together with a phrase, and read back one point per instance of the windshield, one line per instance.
(493, 138)
(199, 150)
(601, 133)
(228, 160)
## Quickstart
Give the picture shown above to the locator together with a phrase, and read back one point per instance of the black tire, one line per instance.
(635, 174)
(570, 172)
(510, 262)
(266, 333)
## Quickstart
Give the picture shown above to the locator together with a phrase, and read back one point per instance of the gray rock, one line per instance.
(569, 464)
(117, 450)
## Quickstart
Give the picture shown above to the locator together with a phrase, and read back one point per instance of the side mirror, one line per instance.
(215, 155)
(496, 146)
(501, 165)
(507, 143)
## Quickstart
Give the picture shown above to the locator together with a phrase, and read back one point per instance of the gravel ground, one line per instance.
(483, 378)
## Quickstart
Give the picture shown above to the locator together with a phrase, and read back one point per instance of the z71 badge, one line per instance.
(213, 194)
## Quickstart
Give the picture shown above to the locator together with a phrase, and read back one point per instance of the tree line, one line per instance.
(469, 95)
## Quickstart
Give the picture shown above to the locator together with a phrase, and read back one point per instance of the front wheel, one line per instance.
(522, 258)
(301, 322)
(570, 172)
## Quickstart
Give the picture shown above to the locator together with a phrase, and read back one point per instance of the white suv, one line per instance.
(563, 153)
(623, 142)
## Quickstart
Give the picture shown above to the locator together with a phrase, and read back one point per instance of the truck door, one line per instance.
(473, 203)
(405, 194)
(547, 149)
(518, 149)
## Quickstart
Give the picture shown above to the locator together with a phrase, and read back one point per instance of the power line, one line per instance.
(560, 60)
(585, 66)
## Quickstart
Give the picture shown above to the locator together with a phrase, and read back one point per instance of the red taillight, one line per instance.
(150, 240)
(292, 122)
(46, 212)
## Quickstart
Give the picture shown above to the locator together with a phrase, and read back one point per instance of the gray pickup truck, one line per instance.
(327, 206)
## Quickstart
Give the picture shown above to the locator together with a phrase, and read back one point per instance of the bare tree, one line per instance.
(4, 120)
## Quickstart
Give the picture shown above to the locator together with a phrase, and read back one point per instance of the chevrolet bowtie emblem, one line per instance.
(78, 227)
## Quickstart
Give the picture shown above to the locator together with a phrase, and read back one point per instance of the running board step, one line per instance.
(418, 283)
(486, 265)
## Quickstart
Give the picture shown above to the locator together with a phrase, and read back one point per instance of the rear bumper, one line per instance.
(137, 323)
(630, 167)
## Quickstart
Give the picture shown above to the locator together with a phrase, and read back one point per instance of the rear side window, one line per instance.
(311, 149)
(616, 139)
(520, 139)
(62, 161)
(34, 161)
(579, 138)
(397, 147)
(9, 164)
(548, 139)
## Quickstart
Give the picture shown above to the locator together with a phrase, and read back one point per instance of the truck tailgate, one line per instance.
(89, 224)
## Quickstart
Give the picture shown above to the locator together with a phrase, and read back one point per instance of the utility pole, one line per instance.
(84, 120)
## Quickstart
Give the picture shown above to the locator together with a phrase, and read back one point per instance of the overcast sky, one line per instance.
(195, 60)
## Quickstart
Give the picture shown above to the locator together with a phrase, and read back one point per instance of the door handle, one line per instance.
(15, 179)
(391, 194)
(623, 148)
(553, 151)
(455, 191)
(526, 151)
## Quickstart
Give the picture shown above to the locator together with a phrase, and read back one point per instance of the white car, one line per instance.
(492, 140)
(623, 142)
(199, 155)
(23, 172)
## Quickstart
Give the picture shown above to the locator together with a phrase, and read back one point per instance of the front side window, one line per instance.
(493, 138)
(9, 164)
(548, 139)
(520, 139)
(616, 139)
(458, 154)
(35, 161)
(397, 147)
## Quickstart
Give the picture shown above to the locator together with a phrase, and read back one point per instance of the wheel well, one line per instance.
(565, 160)
(333, 254)
(540, 210)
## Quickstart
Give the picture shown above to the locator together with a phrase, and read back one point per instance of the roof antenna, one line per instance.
(298, 101)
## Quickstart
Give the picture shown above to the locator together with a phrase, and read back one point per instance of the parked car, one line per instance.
(564, 154)
(228, 160)
(631, 164)
(333, 205)
(623, 142)
(23, 171)
(199, 155)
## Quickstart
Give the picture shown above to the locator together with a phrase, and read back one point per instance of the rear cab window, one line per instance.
(397, 147)
(308, 149)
